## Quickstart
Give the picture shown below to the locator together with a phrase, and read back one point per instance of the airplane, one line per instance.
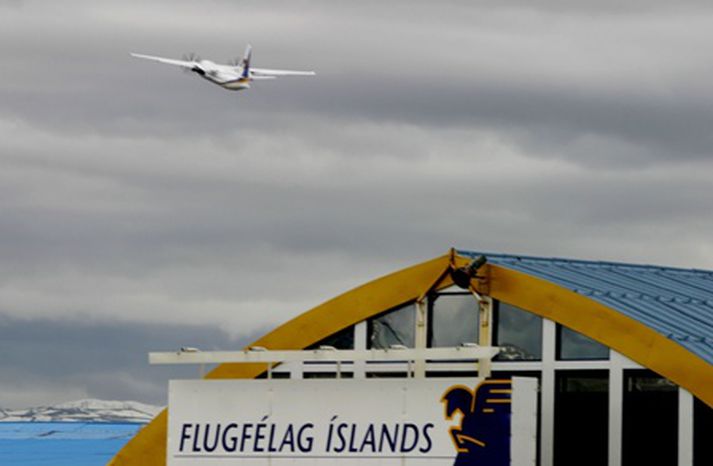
(235, 77)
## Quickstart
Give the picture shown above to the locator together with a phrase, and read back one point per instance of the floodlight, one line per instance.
(462, 276)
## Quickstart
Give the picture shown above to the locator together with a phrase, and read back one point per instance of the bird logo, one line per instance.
(483, 436)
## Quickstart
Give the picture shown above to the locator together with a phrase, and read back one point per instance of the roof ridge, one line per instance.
(584, 261)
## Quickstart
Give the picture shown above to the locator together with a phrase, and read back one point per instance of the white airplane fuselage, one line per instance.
(224, 76)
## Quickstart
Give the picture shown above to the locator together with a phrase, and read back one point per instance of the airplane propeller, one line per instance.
(193, 57)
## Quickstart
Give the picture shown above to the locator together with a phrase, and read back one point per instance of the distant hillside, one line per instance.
(84, 411)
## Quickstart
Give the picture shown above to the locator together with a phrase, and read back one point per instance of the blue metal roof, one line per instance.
(677, 303)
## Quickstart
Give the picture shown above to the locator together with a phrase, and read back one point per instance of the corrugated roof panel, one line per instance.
(677, 303)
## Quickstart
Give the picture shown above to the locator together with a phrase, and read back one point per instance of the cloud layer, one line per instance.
(134, 195)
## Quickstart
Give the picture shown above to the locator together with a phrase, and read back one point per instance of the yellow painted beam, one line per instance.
(605, 325)
(148, 447)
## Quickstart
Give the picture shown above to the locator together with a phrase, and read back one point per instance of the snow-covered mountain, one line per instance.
(84, 411)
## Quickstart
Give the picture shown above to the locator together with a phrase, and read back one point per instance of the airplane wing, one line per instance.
(169, 61)
(267, 72)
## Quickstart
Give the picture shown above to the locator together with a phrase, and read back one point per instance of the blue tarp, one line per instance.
(62, 443)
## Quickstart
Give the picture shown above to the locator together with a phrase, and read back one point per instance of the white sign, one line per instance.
(368, 421)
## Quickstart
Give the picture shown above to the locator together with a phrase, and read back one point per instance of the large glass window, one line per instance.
(702, 434)
(581, 418)
(453, 320)
(396, 327)
(274, 375)
(573, 345)
(387, 375)
(650, 430)
(327, 375)
(343, 340)
(518, 333)
(451, 374)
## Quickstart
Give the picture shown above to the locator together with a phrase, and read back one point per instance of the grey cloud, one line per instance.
(107, 361)
(554, 83)
(133, 195)
(187, 229)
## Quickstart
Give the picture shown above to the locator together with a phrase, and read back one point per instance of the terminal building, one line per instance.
(623, 353)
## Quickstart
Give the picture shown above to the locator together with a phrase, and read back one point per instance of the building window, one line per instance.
(387, 375)
(581, 418)
(650, 428)
(453, 320)
(342, 340)
(274, 375)
(572, 345)
(327, 375)
(396, 327)
(702, 434)
(518, 333)
(451, 374)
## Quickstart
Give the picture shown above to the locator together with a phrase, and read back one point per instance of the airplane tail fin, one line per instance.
(246, 61)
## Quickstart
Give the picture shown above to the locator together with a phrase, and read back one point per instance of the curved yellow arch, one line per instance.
(148, 447)
(595, 320)
(605, 325)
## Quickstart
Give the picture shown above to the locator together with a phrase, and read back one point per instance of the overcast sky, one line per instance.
(142, 208)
